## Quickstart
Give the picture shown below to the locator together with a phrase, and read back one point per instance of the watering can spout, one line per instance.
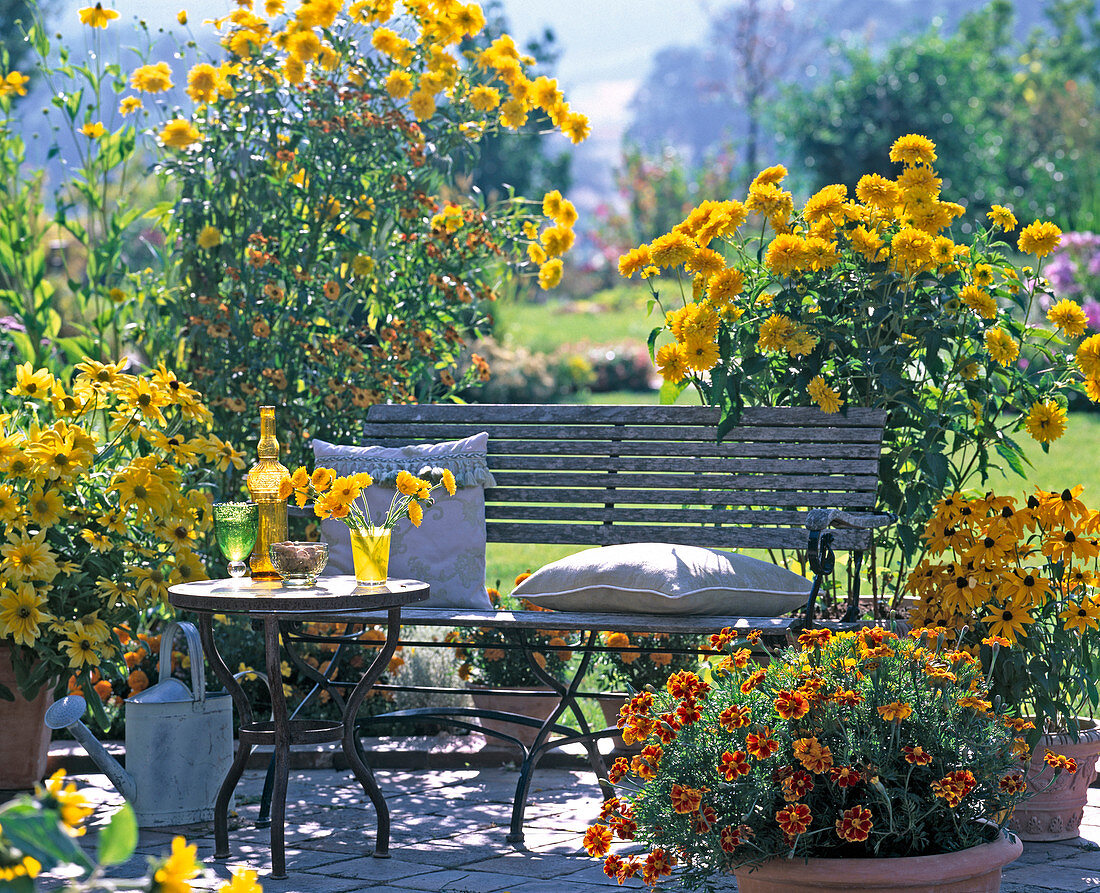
(65, 714)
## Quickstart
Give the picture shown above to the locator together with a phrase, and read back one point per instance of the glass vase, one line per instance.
(370, 553)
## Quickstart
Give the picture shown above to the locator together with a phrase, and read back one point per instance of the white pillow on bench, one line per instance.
(447, 551)
(659, 578)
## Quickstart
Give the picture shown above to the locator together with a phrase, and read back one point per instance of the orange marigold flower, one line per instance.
(917, 755)
(847, 698)
(685, 799)
(791, 704)
(815, 638)
(813, 755)
(845, 776)
(754, 680)
(895, 711)
(794, 819)
(734, 717)
(761, 745)
(954, 786)
(688, 712)
(720, 640)
(733, 765)
(1013, 784)
(1057, 761)
(797, 785)
(854, 825)
(658, 864)
(597, 841)
(618, 770)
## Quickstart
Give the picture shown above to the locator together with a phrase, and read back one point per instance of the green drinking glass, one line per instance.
(235, 527)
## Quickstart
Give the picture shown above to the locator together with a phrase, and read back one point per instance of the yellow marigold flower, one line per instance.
(180, 866)
(979, 301)
(557, 240)
(913, 149)
(672, 249)
(398, 84)
(449, 482)
(1092, 389)
(129, 105)
(14, 82)
(770, 175)
(774, 332)
(154, 78)
(824, 396)
(671, 361)
(877, 191)
(202, 82)
(983, 275)
(209, 237)
(1001, 346)
(513, 114)
(1069, 317)
(179, 134)
(551, 203)
(725, 285)
(416, 513)
(866, 242)
(242, 881)
(1088, 356)
(484, 99)
(825, 203)
(1039, 238)
(567, 214)
(913, 247)
(706, 262)
(786, 254)
(576, 127)
(93, 130)
(550, 274)
(701, 353)
(769, 200)
(895, 711)
(545, 93)
(801, 342)
(422, 104)
(96, 16)
(634, 260)
(1046, 421)
(1002, 217)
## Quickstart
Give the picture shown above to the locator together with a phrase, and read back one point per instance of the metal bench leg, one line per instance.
(568, 698)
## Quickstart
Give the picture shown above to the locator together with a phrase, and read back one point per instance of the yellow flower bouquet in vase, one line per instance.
(344, 499)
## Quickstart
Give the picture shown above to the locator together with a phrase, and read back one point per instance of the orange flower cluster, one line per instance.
(800, 755)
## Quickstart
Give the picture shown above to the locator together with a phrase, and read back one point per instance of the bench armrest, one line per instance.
(820, 556)
(822, 519)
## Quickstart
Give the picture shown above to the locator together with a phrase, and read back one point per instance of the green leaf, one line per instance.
(670, 391)
(119, 839)
(39, 834)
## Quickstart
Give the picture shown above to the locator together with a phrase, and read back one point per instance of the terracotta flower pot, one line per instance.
(535, 706)
(25, 739)
(974, 870)
(1055, 813)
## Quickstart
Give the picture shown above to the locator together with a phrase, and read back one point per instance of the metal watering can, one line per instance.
(179, 741)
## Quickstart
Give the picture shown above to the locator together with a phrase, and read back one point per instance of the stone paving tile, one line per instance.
(531, 865)
(1064, 876)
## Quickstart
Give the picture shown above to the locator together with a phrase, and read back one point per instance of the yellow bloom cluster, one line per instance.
(95, 514)
(845, 251)
(344, 498)
(423, 65)
(554, 241)
(1009, 565)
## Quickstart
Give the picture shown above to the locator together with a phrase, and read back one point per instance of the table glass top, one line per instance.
(336, 593)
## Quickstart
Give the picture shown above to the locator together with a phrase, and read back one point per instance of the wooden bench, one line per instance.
(783, 478)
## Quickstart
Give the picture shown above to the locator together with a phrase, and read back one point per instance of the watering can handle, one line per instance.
(194, 651)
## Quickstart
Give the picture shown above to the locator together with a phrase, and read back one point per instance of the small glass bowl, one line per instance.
(299, 563)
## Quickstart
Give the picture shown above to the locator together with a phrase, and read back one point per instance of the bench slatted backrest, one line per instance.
(602, 475)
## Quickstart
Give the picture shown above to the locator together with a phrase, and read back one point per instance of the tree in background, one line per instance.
(1011, 128)
(15, 17)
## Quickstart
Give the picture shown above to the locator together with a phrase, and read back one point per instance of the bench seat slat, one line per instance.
(769, 458)
(718, 537)
(719, 495)
(700, 624)
(701, 514)
(565, 478)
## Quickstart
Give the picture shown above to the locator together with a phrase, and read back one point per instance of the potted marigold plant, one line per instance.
(1025, 574)
(879, 297)
(99, 513)
(855, 758)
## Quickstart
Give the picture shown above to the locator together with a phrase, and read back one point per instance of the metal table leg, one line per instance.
(352, 748)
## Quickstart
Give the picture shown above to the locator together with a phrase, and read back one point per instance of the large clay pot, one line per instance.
(975, 870)
(1055, 812)
(535, 706)
(24, 735)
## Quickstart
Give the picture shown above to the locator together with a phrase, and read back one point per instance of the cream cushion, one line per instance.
(447, 551)
(658, 578)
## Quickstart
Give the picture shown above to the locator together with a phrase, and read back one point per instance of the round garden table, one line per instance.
(274, 605)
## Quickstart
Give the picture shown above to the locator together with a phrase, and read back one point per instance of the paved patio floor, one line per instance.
(449, 829)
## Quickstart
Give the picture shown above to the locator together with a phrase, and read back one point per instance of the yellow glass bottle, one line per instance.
(263, 486)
